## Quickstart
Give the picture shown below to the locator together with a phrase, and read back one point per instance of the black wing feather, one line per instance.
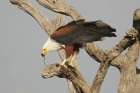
(85, 32)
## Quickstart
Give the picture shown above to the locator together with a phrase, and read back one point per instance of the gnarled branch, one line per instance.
(60, 6)
(64, 72)
(113, 53)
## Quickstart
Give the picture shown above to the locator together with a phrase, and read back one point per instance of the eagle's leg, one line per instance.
(71, 63)
(68, 50)
(74, 53)
(63, 63)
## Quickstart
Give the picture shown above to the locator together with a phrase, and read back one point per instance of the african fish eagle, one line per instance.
(71, 37)
(136, 20)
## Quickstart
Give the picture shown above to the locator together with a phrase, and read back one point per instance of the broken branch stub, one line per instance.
(65, 72)
(58, 70)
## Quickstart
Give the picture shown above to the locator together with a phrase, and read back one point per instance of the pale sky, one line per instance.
(22, 38)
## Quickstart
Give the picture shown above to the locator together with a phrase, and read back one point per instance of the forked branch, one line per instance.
(113, 53)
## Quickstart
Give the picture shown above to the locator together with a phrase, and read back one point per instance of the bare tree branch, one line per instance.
(130, 72)
(59, 21)
(60, 6)
(114, 52)
(31, 9)
(74, 76)
(99, 55)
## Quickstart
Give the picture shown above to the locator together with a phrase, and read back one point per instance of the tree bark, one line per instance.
(130, 77)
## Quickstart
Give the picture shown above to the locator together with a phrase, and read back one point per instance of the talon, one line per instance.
(61, 64)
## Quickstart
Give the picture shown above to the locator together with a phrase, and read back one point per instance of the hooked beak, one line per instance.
(44, 52)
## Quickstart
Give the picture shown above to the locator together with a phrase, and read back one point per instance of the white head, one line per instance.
(51, 45)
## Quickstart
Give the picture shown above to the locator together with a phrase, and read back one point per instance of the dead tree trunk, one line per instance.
(130, 78)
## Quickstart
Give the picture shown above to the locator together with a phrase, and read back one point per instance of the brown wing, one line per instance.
(63, 31)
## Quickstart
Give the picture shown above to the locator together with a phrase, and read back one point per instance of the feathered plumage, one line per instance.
(74, 34)
(82, 32)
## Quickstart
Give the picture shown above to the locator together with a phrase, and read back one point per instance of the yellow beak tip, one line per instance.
(44, 51)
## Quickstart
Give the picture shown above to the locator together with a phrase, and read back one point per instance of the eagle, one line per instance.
(71, 36)
(136, 20)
